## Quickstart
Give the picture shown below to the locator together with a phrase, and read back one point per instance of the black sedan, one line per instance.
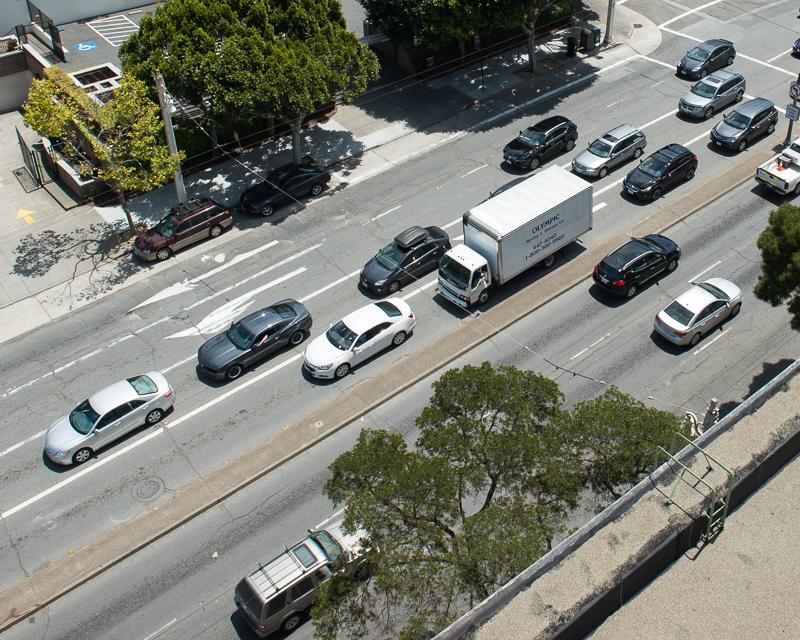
(284, 185)
(407, 258)
(253, 338)
(659, 171)
(626, 269)
(540, 142)
(796, 47)
(706, 57)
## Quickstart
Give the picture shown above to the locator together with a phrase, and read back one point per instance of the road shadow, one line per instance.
(769, 370)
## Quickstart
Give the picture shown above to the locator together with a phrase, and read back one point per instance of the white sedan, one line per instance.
(698, 310)
(359, 336)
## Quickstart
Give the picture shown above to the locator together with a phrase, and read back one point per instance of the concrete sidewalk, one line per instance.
(56, 261)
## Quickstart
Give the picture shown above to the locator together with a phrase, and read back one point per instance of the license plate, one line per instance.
(603, 280)
(629, 190)
(718, 143)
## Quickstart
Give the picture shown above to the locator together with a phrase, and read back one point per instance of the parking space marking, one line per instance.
(705, 346)
(385, 213)
(469, 173)
(598, 206)
(782, 53)
(113, 29)
(689, 12)
(696, 276)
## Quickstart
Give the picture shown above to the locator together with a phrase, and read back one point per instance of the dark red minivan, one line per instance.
(184, 225)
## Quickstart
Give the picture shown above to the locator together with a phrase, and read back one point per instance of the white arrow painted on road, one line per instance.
(188, 285)
(222, 316)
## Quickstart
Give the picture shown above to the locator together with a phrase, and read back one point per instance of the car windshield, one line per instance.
(328, 544)
(698, 54)
(704, 90)
(340, 336)
(600, 148)
(456, 273)
(718, 293)
(653, 166)
(391, 256)
(239, 336)
(143, 385)
(83, 418)
(737, 120)
(533, 138)
(166, 227)
(678, 312)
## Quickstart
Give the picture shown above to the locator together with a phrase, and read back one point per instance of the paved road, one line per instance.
(48, 511)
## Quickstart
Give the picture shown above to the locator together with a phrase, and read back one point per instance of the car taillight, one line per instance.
(597, 268)
(618, 283)
(694, 158)
(680, 334)
(168, 394)
(411, 314)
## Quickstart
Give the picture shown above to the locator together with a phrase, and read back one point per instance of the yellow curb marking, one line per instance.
(25, 214)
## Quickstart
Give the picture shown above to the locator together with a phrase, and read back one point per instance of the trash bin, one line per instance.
(596, 34)
(587, 39)
(572, 46)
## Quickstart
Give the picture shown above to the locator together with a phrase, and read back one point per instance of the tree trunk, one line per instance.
(531, 45)
(123, 201)
(297, 128)
(462, 50)
(271, 125)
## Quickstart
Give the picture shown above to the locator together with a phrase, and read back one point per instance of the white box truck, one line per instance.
(514, 230)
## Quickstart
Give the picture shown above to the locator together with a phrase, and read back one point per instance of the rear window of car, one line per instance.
(284, 311)
(143, 385)
(678, 312)
(388, 308)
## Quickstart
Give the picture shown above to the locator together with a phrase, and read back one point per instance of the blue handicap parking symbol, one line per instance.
(87, 45)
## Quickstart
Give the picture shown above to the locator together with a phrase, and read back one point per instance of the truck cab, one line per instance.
(464, 276)
(782, 172)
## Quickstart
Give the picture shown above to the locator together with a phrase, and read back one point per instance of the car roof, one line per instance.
(367, 317)
(622, 131)
(713, 44)
(672, 151)
(695, 299)
(410, 237)
(193, 206)
(549, 123)
(112, 396)
(720, 76)
(752, 107)
(263, 318)
(628, 252)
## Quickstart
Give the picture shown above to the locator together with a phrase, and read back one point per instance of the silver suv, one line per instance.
(609, 150)
(712, 93)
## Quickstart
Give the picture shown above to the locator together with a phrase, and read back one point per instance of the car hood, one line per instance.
(687, 64)
(518, 147)
(724, 130)
(692, 99)
(60, 435)
(149, 238)
(320, 352)
(374, 271)
(589, 160)
(218, 352)
(639, 178)
(260, 193)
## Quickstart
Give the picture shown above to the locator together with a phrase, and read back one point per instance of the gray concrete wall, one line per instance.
(14, 12)
(14, 90)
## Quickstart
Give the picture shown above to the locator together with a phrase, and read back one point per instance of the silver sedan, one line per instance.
(698, 310)
(107, 416)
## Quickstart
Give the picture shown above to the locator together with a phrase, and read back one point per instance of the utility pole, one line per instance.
(609, 23)
(180, 188)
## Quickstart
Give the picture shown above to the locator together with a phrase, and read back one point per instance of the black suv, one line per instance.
(411, 255)
(746, 122)
(283, 185)
(640, 259)
(706, 57)
(541, 141)
(660, 171)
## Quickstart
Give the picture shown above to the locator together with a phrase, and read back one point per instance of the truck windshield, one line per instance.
(456, 273)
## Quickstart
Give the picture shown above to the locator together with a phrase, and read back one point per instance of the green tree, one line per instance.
(119, 142)
(616, 437)
(477, 500)
(780, 260)
(240, 59)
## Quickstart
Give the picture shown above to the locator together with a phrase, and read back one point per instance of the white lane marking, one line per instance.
(187, 285)
(12, 390)
(452, 224)
(179, 363)
(616, 183)
(329, 286)
(151, 325)
(99, 462)
(222, 316)
(705, 346)
(591, 346)
(689, 12)
(14, 447)
(161, 629)
(782, 53)
(329, 518)
(469, 173)
(598, 206)
(580, 353)
(385, 213)
(694, 279)
(77, 360)
(659, 119)
(424, 287)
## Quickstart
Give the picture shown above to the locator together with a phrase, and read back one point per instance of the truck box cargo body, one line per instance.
(511, 232)
(782, 173)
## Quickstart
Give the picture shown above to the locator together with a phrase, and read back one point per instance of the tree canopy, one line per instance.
(119, 142)
(780, 260)
(239, 59)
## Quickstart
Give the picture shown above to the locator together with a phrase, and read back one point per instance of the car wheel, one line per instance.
(742, 145)
(656, 193)
(739, 95)
(690, 173)
(638, 153)
(342, 370)
(215, 231)
(729, 61)
(163, 254)
(771, 129)
(297, 338)
(233, 372)
(797, 190)
(735, 311)
(399, 338)
(394, 285)
(533, 164)
(316, 189)
(81, 456)
(631, 291)
(268, 211)
(291, 622)
(602, 173)
(154, 416)
(549, 261)
(695, 339)
(708, 113)
(570, 144)
(703, 73)
(673, 264)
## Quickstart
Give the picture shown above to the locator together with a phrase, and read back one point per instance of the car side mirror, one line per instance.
(356, 349)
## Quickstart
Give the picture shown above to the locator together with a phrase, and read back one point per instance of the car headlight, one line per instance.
(323, 367)
(56, 453)
(379, 283)
(647, 188)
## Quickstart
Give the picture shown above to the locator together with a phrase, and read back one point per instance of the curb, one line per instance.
(48, 584)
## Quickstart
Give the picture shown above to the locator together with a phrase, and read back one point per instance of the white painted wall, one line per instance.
(14, 12)
(14, 90)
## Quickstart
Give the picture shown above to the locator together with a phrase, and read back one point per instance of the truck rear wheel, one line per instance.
(549, 261)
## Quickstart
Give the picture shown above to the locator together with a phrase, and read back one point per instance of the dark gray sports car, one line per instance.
(253, 338)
